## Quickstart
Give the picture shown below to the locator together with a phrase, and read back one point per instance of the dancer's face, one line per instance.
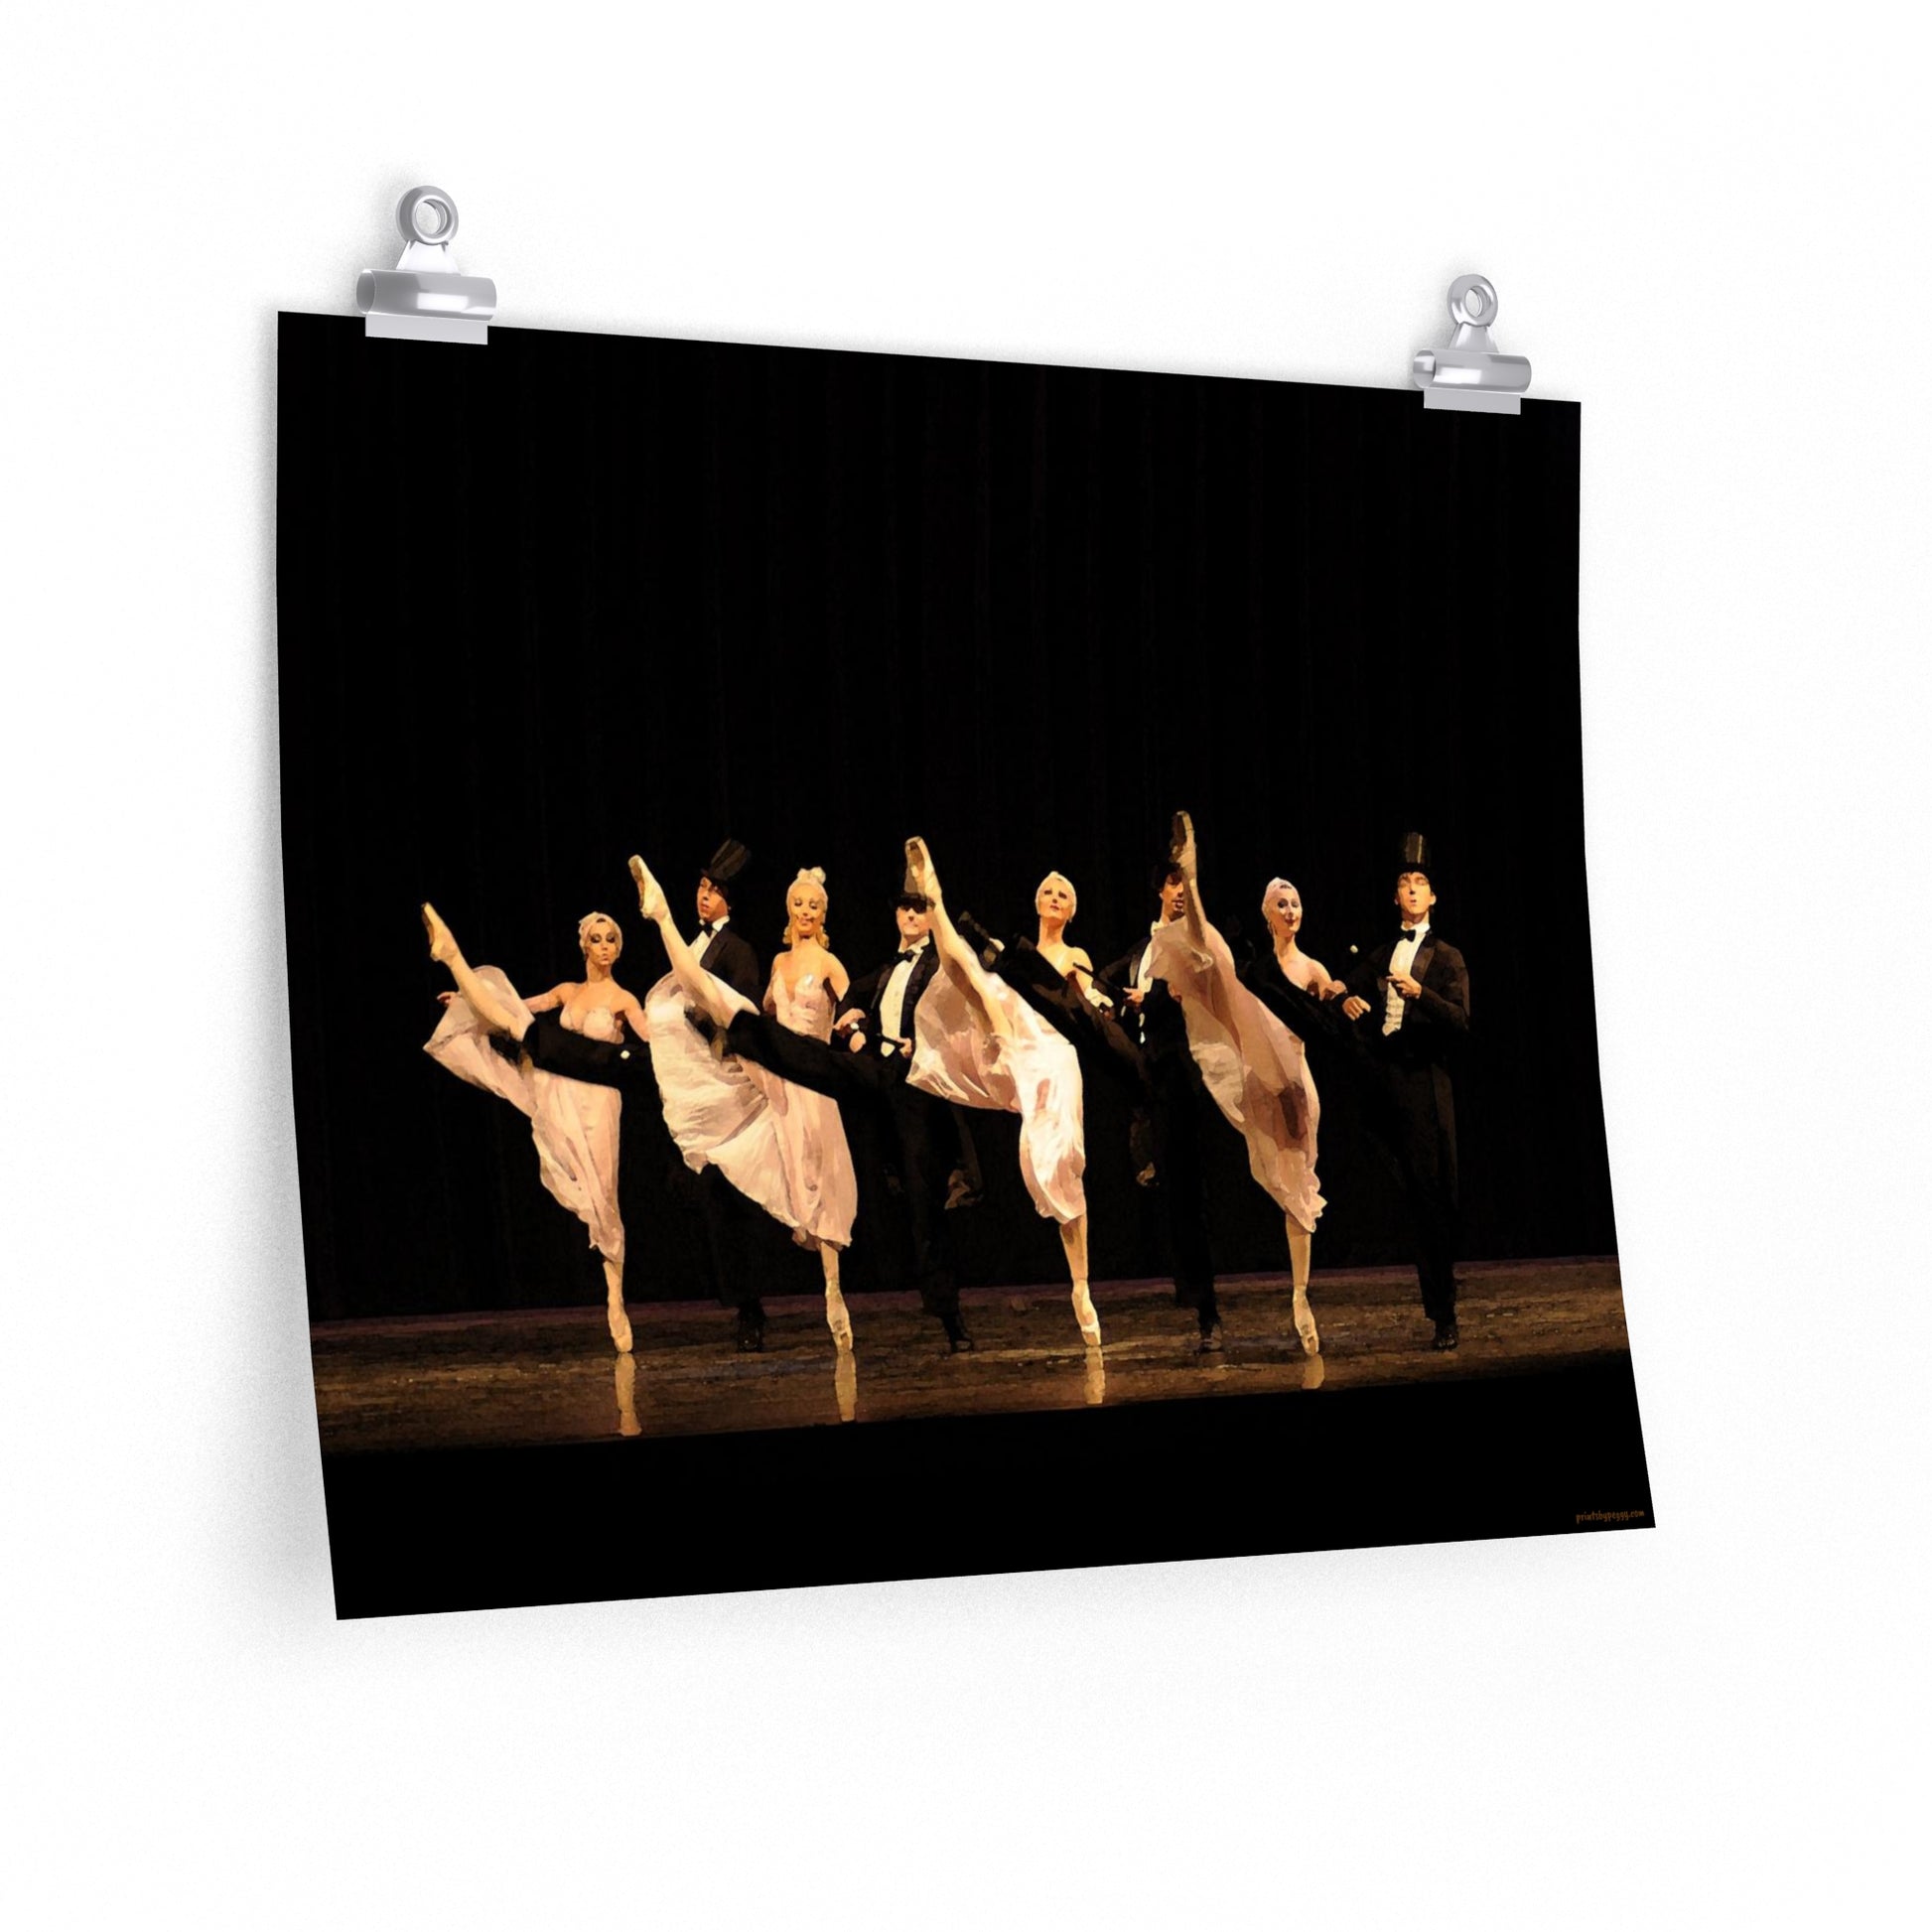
(600, 943)
(1283, 910)
(913, 926)
(1056, 900)
(713, 905)
(1173, 898)
(807, 906)
(1413, 895)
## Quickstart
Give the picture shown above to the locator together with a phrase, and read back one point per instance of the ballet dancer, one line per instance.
(781, 1146)
(976, 1044)
(573, 1122)
(1253, 1066)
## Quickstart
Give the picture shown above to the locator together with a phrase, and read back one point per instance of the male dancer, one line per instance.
(1154, 1085)
(1411, 1000)
(864, 1069)
(723, 1212)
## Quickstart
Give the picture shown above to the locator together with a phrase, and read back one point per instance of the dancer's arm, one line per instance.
(559, 995)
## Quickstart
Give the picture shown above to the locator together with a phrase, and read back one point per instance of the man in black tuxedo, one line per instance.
(1409, 1002)
(627, 1064)
(864, 1069)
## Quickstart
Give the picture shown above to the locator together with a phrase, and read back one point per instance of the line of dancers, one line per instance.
(767, 1091)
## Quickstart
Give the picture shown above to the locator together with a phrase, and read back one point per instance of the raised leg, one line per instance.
(1073, 1238)
(1187, 863)
(443, 949)
(955, 955)
(691, 975)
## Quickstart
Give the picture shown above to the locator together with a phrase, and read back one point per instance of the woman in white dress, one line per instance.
(977, 1044)
(778, 1144)
(1253, 1066)
(573, 1122)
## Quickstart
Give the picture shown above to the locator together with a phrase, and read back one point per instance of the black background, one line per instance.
(568, 597)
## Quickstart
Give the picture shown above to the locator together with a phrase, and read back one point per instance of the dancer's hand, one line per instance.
(1354, 1006)
(1407, 985)
(856, 1040)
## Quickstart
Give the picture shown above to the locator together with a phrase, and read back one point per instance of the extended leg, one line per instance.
(443, 949)
(691, 975)
(619, 1319)
(958, 958)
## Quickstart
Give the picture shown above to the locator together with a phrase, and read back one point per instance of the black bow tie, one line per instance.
(1408, 932)
(909, 952)
(707, 928)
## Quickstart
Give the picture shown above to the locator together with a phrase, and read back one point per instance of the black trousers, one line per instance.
(872, 1092)
(1160, 1084)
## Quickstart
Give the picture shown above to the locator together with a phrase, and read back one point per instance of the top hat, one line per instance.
(724, 865)
(1414, 853)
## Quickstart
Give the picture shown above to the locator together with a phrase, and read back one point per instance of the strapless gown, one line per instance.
(1033, 1073)
(574, 1124)
(1256, 1069)
(779, 1144)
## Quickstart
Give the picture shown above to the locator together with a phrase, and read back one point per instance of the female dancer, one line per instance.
(1252, 1064)
(1281, 906)
(574, 1124)
(778, 1144)
(977, 1044)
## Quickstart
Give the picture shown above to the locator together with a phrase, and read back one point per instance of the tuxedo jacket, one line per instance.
(1432, 1022)
(732, 958)
(865, 993)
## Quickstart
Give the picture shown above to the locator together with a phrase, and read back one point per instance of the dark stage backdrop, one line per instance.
(579, 595)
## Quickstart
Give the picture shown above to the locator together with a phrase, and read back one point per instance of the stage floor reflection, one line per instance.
(550, 1375)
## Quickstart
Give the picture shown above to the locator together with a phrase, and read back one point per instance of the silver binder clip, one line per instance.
(1469, 374)
(423, 299)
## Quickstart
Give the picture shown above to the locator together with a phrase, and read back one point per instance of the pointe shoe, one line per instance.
(1182, 846)
(1304, 1324)
(619, 1326)
(1083, 1313)
(652, 902)
(837, 1320)
(919, 876)
(442, 947)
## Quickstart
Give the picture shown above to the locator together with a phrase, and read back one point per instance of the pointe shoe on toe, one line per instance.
(1084, 1314)
(441, 946)
(919, 876)
(1304, 1324)
(1182, 846)
(837, 1320)
(652, 902)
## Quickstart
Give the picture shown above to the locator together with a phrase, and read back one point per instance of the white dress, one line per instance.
(1033, 1073)
(573, 1122)
(779, 1144)
(1254, 1066)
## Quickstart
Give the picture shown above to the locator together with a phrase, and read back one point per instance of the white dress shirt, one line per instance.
(892, 1002)
(1400, 961)
(701, 944)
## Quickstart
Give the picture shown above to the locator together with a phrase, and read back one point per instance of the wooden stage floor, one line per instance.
(550, 1377)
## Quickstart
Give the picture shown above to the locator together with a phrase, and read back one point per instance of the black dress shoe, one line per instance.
(1446, 1335)
(751, 1336)
(958, 1337)
(1212, 1342)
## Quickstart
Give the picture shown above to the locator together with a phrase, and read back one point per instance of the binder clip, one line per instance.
(1469, 374)
(423, 299)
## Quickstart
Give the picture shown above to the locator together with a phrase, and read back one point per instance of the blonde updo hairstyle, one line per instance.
(1073, 897)
(590, 920)
(814, 877)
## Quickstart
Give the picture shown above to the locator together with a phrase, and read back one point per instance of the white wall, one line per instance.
(1710, 229)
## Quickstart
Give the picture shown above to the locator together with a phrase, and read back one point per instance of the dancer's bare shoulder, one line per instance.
(559, 995)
